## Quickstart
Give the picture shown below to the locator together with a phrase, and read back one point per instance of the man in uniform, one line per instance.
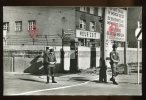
(52, 62)
(114, 59)
(49, 64)
(46, 62)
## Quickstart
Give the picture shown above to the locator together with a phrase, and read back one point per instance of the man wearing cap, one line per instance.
(46, 62)
(51, 66)
(114, 59)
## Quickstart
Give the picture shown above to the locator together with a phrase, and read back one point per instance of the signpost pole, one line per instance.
(125, 48)
(138, 42)
(138, 34)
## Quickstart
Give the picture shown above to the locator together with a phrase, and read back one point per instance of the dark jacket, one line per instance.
(114, 57)
(52, 57)
(46, 57)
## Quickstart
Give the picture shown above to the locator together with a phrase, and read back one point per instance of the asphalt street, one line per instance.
(70, 84)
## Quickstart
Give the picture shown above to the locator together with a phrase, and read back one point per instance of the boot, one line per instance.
(47, 80)
(111, 79)
(53, 80)
(114, 82)
(105, 79)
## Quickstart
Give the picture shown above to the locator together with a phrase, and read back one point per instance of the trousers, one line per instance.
(114, 69)
(49, 68)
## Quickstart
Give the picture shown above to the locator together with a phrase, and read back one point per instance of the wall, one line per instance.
(131, 55)
(28, 64)
(83, 57)
(34, 64)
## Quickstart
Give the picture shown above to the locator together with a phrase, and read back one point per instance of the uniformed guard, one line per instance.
(114, 59)
(51, 67)
(46, 62)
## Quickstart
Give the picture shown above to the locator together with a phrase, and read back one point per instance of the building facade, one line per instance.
(47, 25)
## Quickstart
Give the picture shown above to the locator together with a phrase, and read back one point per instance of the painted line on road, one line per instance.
(50, 89)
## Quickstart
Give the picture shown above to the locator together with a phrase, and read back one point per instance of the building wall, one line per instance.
(89, 18)
(49, 20)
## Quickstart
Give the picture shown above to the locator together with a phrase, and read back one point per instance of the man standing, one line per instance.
(49, 64)
(52, 62)
(46, 62)
(114, 59)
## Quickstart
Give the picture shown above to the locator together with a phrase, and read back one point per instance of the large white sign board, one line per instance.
(115, 24)
(115, 28)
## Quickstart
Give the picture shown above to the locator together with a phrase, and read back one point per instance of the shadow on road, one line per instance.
(32, 80)
(79, 79)
(96, 81)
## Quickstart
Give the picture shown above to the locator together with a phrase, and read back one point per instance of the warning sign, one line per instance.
(115, 24)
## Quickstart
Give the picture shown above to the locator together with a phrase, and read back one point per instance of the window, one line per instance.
(18, 26)
(84, 9)
(31, 24)
(6, 26)
(91, 10)
(92, 26)
(82, 24)
(99, 11)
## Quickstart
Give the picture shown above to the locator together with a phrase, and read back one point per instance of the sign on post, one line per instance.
(69, 31)
(138, 35)
(115, 24)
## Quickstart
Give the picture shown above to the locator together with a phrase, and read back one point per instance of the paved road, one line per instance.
(73, 84)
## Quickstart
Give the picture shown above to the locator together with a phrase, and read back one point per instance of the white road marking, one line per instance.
(50, 89)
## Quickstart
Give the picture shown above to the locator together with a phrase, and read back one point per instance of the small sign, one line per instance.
(138, 33)
(69, 31)
(87, 34)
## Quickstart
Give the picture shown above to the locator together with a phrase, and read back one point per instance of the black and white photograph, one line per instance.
(72, 50)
